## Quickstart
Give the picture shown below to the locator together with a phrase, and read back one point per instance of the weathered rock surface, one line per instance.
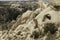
(35, 28)
(40, 24)
(55, 2)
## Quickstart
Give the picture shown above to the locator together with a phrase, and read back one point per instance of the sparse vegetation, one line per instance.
(50, 27)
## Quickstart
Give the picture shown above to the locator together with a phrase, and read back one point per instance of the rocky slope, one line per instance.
(41, 23)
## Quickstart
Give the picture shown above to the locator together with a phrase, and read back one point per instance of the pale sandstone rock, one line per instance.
(26, 17)
(55, 2)
(35, 22)
(38, 22)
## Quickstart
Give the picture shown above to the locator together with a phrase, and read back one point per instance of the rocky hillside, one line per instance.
(29, 21)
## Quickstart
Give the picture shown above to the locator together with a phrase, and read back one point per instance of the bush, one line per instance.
(51, 27)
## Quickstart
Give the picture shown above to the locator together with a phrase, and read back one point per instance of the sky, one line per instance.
(19, 0)
(14, 0)
(25, 0)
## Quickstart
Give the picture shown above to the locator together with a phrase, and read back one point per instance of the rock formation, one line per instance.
(43, 23)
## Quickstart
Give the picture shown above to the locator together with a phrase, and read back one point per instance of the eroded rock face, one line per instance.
(55, 2)
(41, 24)
(11, 11)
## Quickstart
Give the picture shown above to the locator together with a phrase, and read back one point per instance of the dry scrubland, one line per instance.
(29, 21)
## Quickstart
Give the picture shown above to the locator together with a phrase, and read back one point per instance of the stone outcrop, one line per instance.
(40, 24)
(55, 2)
